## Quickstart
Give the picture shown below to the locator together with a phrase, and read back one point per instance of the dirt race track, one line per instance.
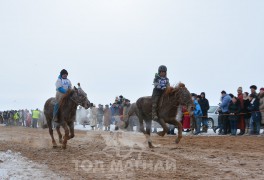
(124, 155)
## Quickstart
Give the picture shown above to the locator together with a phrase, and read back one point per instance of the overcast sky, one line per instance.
(115, 47)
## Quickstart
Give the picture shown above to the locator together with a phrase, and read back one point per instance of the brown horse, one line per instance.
(66, 113)
(167, 110)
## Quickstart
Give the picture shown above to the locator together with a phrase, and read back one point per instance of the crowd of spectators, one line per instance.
(23, 117)
(243, 112)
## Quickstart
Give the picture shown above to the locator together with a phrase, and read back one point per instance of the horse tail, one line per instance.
(44, 124)
(131, 112)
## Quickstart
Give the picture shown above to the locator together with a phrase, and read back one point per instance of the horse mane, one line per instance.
(172, 90)
(65, 98)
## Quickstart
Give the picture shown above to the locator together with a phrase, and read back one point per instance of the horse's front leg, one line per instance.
(147, 134)
(66, 136)
(179, 125)
(54, 144)
(164, 126)
(59, 134)
(71, 125)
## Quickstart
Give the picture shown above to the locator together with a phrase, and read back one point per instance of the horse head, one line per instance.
(180, 95)
(80, 97)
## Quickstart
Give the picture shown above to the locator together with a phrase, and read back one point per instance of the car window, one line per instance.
(212, 109)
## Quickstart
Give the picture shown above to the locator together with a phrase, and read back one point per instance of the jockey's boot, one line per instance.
(55, 112)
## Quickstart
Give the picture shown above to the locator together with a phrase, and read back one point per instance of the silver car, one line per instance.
(213, 116)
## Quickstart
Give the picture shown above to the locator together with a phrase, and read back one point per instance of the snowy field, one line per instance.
(14, 166)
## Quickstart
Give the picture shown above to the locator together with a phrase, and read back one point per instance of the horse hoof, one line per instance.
(54, 146)
(177, 141)
(161, 133)
(63, 146)
(150, 145)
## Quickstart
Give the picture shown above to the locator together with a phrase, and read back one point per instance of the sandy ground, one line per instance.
(125, 155)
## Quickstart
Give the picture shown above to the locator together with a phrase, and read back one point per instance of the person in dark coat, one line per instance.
(255, 114)
(234, 109)
(204, 103)
(241, 119)
(246, 112)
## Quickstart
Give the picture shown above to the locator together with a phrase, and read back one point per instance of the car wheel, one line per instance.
(210, 123)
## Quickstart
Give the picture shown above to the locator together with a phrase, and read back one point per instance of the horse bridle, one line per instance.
(77, 103)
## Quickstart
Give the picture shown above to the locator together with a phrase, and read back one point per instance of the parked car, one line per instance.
(213, 116)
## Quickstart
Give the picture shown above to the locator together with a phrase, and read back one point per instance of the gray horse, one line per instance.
(66, 113)
(167, 110)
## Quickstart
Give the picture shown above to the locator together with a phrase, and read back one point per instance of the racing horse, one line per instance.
(169, 102)
(66, 114)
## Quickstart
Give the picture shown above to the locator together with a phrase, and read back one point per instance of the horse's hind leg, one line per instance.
(59, 133)
(54, 144)
(147, 134)
(141, 125)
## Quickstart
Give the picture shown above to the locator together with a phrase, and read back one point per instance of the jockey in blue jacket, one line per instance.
(63, 84)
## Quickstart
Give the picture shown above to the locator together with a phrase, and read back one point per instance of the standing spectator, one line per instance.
(11, 117)
(186, 124)
(241, 119)
(16, 118)
(255, 114)
(220, 122)
(1, 117)
(234, 110)
(114, 112)
(35, 117)
(204, 103)
(197, 112)
(100, 115)
(120, 100)
(25, 117)
(224, 108)
(21, 115)
(6, 117)
(261, 105)
(246, 112)
(253, 89)
(107, 117)
(29, 119)
(93, 121)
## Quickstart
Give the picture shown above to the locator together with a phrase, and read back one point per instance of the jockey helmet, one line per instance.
(162, 68)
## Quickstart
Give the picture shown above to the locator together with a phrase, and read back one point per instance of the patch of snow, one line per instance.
(89, 128)
(15, 166)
